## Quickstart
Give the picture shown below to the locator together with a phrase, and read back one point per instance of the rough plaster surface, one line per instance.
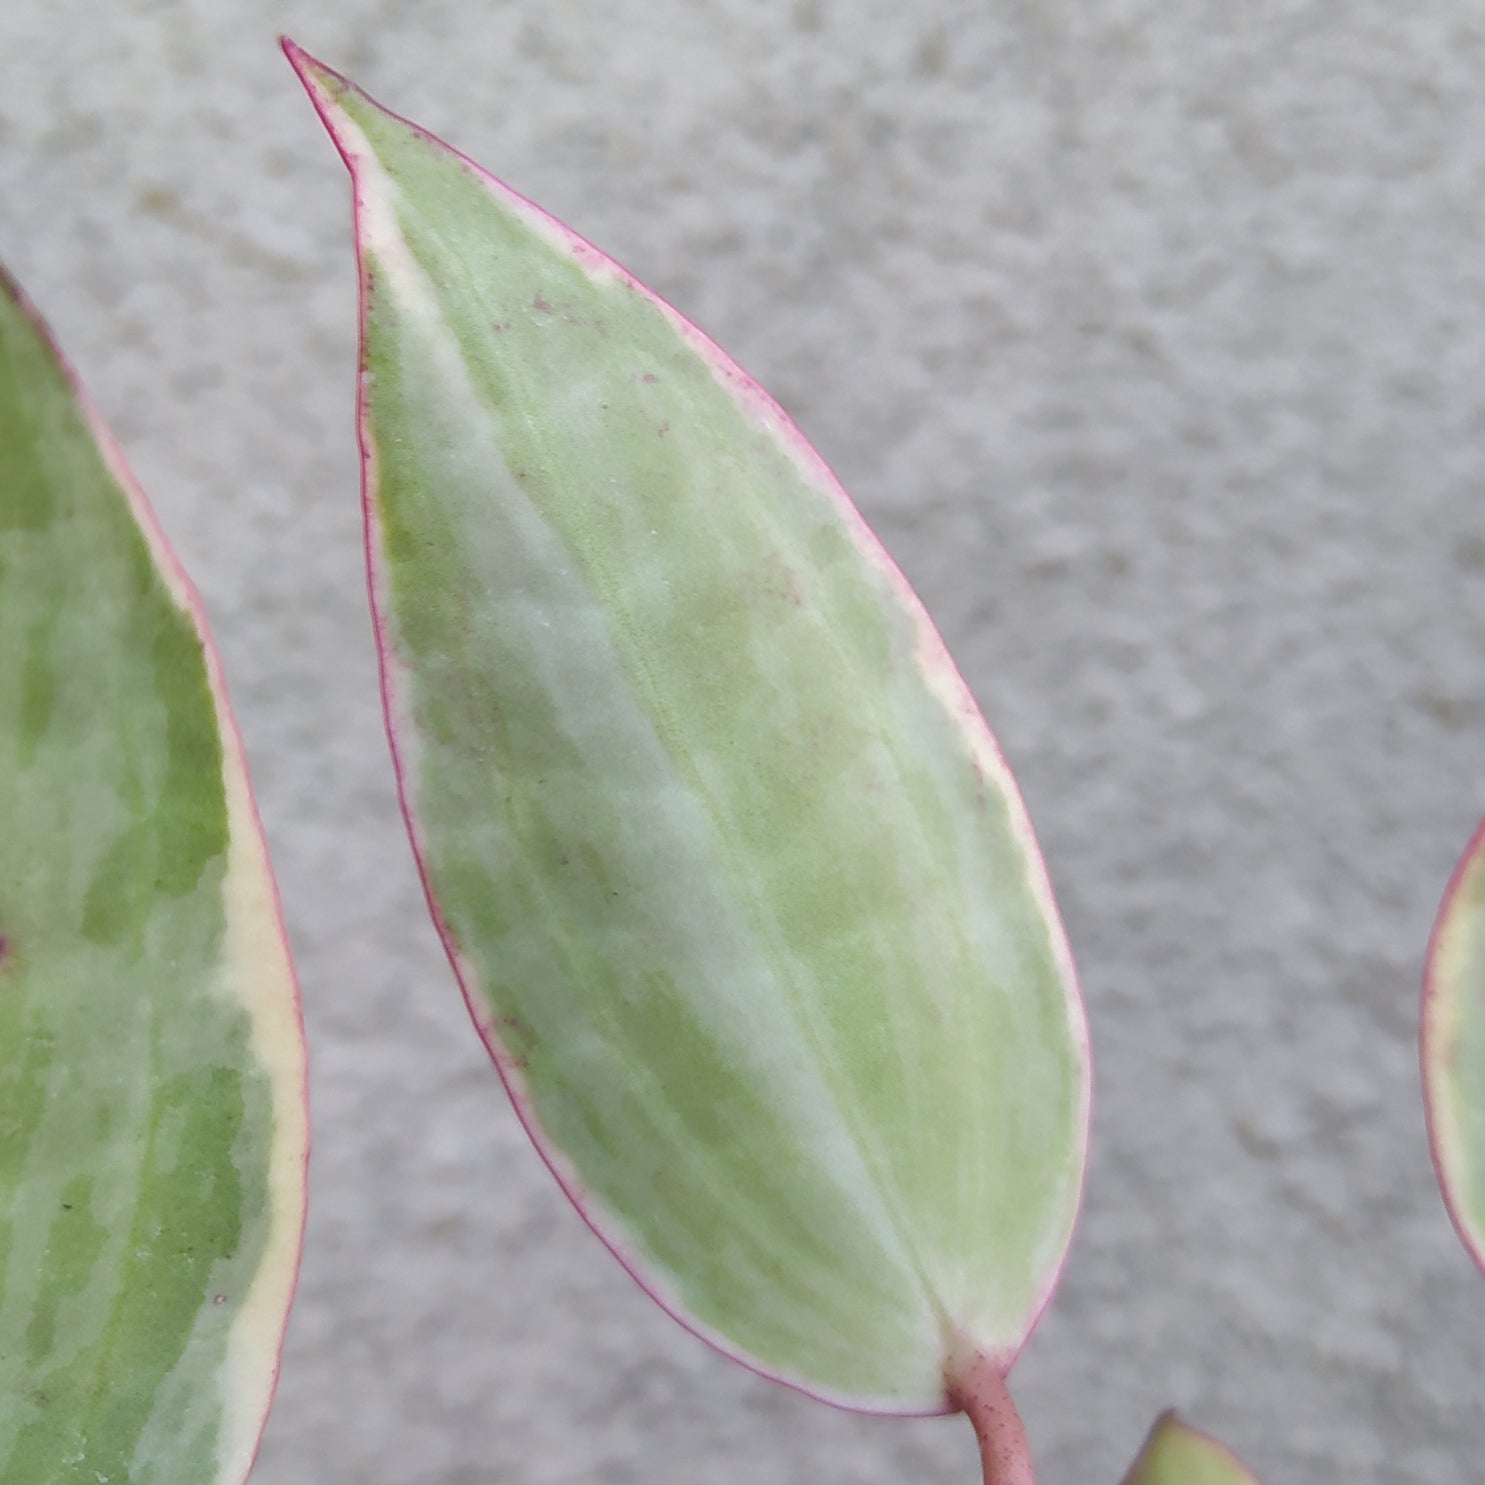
(1151, 336)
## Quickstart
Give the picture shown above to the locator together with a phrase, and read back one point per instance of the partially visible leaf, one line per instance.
(1177, 1454)
(152, 1116)
(1452, 1045)
(739, 889)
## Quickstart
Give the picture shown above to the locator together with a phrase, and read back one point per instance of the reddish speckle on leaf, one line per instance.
(663, 429)
(540, 305)
(779, 581)
(649, 378)
(516, 1038)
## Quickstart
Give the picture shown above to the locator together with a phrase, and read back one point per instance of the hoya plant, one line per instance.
(740, 892)
(738, 888)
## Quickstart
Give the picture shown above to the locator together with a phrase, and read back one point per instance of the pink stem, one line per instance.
(977, 1387)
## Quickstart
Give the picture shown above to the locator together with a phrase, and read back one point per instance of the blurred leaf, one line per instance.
(1177, 1454)
(1453, 1047)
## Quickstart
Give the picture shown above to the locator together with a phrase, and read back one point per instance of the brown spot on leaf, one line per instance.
(516, 1038)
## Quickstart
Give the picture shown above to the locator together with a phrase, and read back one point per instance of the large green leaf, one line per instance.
(152, 1120)
(1453, 1047)
(738, 887)
(1177, 1454)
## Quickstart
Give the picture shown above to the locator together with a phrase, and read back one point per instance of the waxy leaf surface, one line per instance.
(738, 887)
(1453, 1047)
(1177, 1454)
(152, 1122)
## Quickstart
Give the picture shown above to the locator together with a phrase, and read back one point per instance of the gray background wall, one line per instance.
(1151, 337)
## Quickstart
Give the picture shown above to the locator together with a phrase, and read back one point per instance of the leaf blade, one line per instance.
(657, 698)
(1452, 1047)
(151, 1057)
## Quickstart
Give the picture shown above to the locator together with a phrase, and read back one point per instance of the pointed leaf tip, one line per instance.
(738, 886)
(325, 86)
(1452, 1046)
(1174, 1453)
(309, 68)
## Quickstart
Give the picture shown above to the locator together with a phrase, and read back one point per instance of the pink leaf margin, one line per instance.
(1432, 1047)
(938, 667)
(188, 598)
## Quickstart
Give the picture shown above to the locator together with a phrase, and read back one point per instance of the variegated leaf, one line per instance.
(152, 1116)
(739, 889)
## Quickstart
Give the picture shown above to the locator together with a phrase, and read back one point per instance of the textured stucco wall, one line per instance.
(1151, 337)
